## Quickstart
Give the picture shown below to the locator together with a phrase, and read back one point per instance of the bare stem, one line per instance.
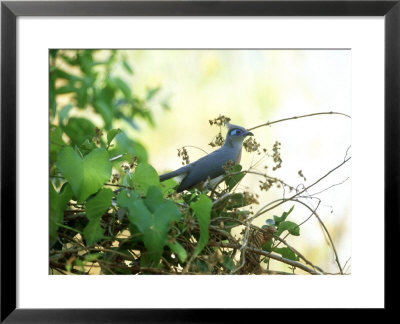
(298, 117)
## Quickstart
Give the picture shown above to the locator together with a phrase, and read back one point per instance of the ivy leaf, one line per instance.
(127, 66)
(124, 145)
(119, 84)
(154, 198)
(86, 176)
(286, 253)
(92, 257)
(105, 110)
(95, 208)
(58, 201)
(202, 210)
(278, 219)
(138, 214)
(232, 180)
(79, 129)
(178, 249)
(228, 263)
(155, 237)
(168, 186)
(99, 204)
(64, 113)
(151, 93)
(152, 216)
(289, 226)
(144, 177)
(268, 246)
(93, 232)
(111, 134)
(56, 142)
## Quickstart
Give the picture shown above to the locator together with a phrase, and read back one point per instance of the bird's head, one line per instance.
(236, 134)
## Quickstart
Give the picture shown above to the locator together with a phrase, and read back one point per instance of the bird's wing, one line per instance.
(208, 166)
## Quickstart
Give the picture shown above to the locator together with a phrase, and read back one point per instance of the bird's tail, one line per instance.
(174, 174)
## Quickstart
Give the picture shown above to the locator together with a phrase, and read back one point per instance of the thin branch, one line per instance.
(298, 117)
(326, 231)
(243, 248)
(268, 254)
(282, 201)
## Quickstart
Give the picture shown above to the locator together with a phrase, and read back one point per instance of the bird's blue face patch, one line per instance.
(236, 132)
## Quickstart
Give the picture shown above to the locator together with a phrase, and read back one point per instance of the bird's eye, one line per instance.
(236, 132)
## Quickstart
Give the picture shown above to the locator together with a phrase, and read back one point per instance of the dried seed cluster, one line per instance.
(300, 173)
(218, 140)
(220, 120)
(268, 183)
(229, 166)
(97, 138)
(183, 153)
(277, 155)
(115, 178)
(129, 166)
(251, 145)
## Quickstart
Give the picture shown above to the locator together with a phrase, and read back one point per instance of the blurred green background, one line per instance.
(252, 87)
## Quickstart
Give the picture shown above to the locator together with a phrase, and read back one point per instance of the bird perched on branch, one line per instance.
(210, 167)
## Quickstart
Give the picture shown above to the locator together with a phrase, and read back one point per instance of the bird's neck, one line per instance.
(233, 144)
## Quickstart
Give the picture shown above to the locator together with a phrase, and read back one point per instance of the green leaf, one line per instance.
(82, 96)
(124, 145)
(268, 246)
(99, 204)
(154, 198)
(144, 177)
(138, 214)
(66, 89)
(56, 142)
(92, 257)
(155, 237)
(86, 176)
(52, 94)
(119, 84)
(106, 111)
(64, 113)
(86, 147)
(228, 263)
(286, 253)
(95, 208)
(167, 186)
(151, 93)
(79, 129)
(153, 223)
(111, 134)
(178, 249)
(127, 67)
(283, 217)
(201, 266)
(289, 226)
(232, 180)
(93, 232)
(202, 210)
(58, 201)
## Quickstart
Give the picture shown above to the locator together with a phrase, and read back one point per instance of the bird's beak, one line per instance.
(249, 134)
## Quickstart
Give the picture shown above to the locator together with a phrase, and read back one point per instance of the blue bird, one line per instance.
(210, 167)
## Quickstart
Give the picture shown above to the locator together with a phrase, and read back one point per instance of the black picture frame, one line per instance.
(10, 10)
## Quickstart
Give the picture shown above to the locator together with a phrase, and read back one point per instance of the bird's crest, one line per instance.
(231, 126)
